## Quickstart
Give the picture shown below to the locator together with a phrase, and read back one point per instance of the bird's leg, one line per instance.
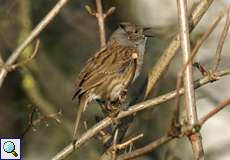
(105, 134)
(103, 105)
(111, 109)
(73, 142)
(115, 106)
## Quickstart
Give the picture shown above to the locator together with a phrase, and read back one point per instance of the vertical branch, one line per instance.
(188, 79)
(100, 16)
(114, 146)
(191, 57)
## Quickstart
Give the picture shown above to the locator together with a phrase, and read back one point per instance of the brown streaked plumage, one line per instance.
(110, 71)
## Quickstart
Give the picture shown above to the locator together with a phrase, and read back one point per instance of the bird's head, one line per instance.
(129, 34)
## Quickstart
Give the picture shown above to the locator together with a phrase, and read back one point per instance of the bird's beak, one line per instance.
(148, 32)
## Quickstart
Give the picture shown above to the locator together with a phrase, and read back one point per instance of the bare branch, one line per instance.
(161, 65)
(150, 147)
(221, 42)
(190, 102)
(191, 57)
(35, 32)
(101, 24)
(114, 147)
(110, 12)
(108, 153)
(90, 11)
(32, 123)
(221, 106)
(127, 143)
(12, 67)
(101, 16)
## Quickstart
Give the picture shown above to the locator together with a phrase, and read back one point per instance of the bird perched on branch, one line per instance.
(107, 75)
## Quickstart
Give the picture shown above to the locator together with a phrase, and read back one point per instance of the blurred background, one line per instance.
(47, 82)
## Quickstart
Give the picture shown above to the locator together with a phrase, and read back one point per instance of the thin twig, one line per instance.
(101, 16)
(130, 141)
(221, 42)
(35, 32)
(161, 65)
(191, 57)
(150, 147)
(114, 147)
(12, 67)
(152, 103)
(32, 123)
(215, 111)
(53, 116)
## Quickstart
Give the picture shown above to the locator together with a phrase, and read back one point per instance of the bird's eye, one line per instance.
(136, 31)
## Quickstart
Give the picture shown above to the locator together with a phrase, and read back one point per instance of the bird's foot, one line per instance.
(114, 112)
(73, 143)
(113, 116)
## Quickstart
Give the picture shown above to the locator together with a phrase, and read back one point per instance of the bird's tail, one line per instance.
(82, 105)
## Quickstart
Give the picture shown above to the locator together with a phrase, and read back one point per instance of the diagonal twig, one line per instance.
(35, 32)
(150, 147)
(12, 67)
(128, 142)
(213, 112)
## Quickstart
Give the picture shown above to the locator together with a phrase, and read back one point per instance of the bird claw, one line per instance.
(114, 113)
(74, 142)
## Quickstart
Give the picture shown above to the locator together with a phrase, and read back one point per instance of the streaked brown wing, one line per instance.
(106, 63)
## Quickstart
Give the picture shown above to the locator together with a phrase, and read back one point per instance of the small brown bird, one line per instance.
(107, 75)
